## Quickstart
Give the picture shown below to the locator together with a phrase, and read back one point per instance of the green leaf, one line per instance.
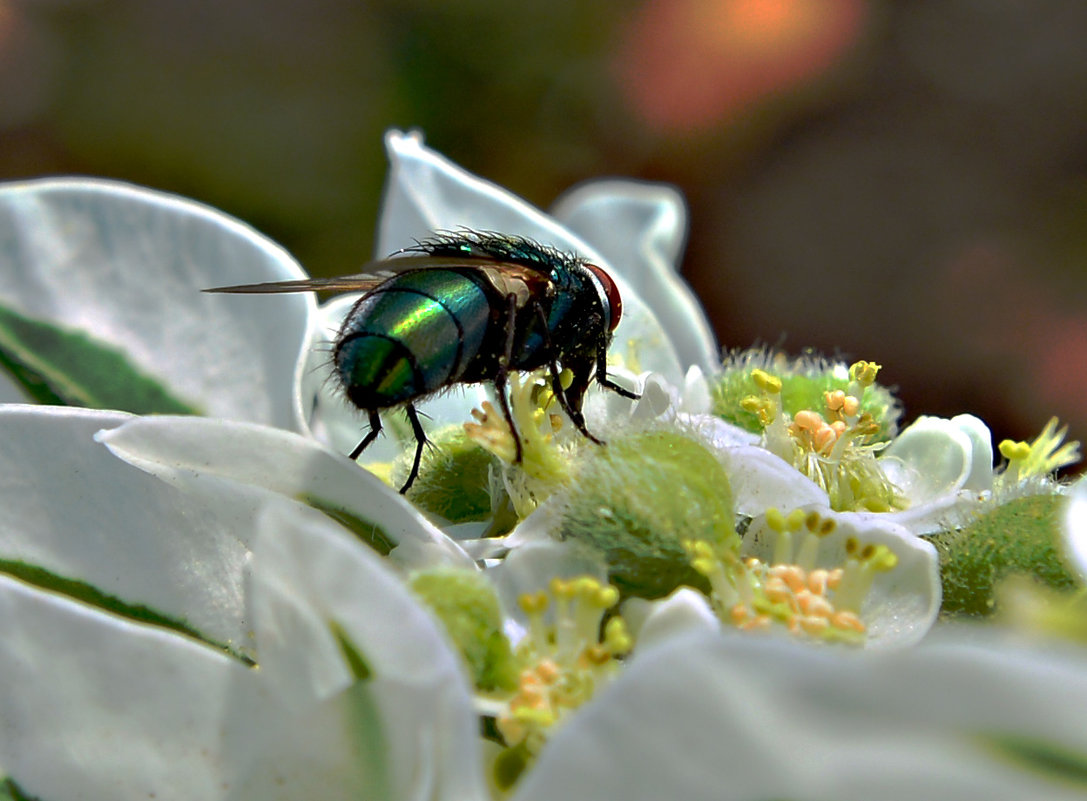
(90, 595)
(66, 367)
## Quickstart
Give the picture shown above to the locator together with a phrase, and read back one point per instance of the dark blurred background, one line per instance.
(899, 181)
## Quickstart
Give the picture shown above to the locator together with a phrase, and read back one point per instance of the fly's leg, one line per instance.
(602, 372)
(420, 441)
(375, 429)
(502, 374)
(572, 411)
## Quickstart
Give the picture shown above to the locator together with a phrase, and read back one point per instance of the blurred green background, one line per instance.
(899, 181)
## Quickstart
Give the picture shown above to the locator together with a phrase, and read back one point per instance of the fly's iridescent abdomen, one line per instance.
(414, 334)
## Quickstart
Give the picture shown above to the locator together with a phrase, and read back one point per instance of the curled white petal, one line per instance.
(126, 266)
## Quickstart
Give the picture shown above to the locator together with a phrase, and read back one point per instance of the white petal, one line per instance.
(68, 506)
(980, 477)
(759, 480)
(904, 602)
(733, 717)
(640, 228)
(937, 456)
(242, 455)
(306, 580)
(95, 707)
(11, 392)
(1075, 527)
(126, 265)
(682, 612)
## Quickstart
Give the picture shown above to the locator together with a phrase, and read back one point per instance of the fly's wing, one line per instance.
(507, 278)
(345, 283)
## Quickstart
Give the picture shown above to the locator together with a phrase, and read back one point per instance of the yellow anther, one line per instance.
(864, 372)
(848, 621)
(796, 519)
(883, 559)
(606, 597)
(827, 526)
(597, 655)
(548, 671)
(766, 382)
(616, 637)
(814, 625)
(561, 589)
(777, 590)
(585, 587)
(753, 404)
(739, 614)
(818, 581)
(775, 519)
(533, 603)
(834, 400)
(792, 575)
(807, 420)
(827, 437)
(812, 521)
(757, 623)
(1012, 450)
(814, 605)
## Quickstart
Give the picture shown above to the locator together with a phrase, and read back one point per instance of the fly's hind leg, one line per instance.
(501, 376)
(375, 429)
(420, 442)
(416, 429)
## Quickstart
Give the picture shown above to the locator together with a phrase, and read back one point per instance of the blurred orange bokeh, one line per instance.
(693, 64)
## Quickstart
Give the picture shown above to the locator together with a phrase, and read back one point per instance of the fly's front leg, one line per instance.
(573, 411)
(602, 372)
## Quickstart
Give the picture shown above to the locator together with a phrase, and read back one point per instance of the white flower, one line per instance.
(204, 638)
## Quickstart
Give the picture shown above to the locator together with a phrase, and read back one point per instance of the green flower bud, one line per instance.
(1020, 537)
(467, 606)
(637, 501)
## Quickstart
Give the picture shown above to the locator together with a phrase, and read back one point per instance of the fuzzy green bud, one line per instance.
(638, 499)
(1020, 537)
(454, 478)
(803, 383)
(467, 606)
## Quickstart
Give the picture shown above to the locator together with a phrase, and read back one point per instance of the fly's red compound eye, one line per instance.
(611, 291)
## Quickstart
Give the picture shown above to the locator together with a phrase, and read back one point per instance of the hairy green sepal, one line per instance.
(467, 606)
(1020, 537)
(454, 478)
(639, 498)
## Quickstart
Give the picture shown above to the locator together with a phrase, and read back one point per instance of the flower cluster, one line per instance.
(202, 597)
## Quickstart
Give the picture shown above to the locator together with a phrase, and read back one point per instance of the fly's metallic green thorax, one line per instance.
(467, 307)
